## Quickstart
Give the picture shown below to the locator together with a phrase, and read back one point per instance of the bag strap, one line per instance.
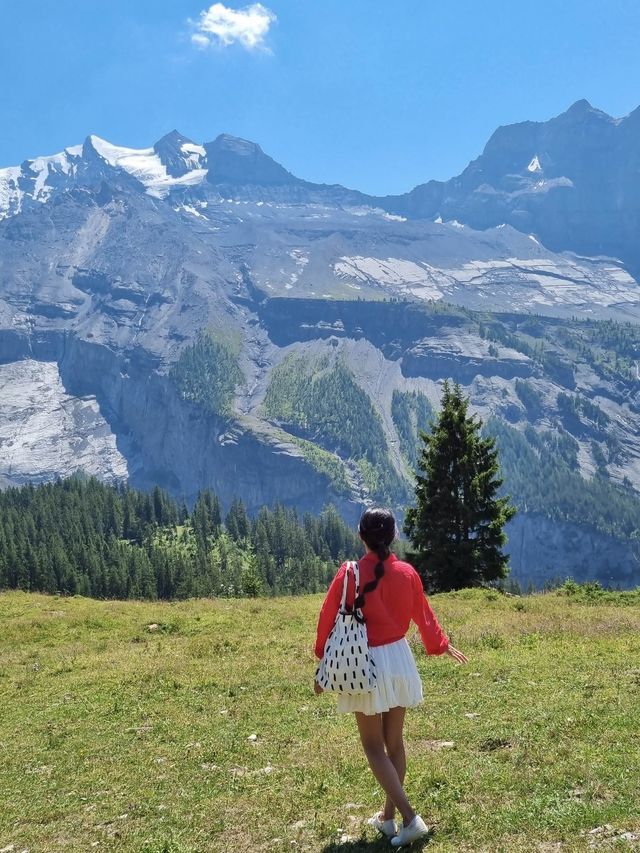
(345, 582)
(355, 568)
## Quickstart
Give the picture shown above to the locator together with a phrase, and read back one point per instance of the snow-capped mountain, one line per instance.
(173, 161)
(510, 233)
(481, 240)
(113, 260)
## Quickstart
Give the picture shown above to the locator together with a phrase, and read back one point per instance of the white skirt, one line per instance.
(397, 683)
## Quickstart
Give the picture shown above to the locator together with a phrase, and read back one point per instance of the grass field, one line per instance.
(118, 736)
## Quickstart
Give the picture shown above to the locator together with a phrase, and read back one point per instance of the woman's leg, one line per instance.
(392, 726)
(372, 737)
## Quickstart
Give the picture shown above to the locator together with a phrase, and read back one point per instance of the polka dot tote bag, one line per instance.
(346, 666)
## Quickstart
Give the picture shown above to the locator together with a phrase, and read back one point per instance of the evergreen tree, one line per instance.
(237, 522)
(215, 516)
(183, 512)
(457, 524)
(201, 522)
(251, 580)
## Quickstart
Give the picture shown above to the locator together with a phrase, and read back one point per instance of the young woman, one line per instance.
(391, 595)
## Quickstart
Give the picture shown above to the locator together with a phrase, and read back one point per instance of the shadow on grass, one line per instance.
(360, 845)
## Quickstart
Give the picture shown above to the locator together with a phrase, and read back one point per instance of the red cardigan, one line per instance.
(388, 610)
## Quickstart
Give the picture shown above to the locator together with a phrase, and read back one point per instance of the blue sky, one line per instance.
(372, 94)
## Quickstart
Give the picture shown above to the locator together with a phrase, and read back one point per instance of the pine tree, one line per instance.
(201, 522)
(237, 522)
(457, 525)
(213, 508)
(250, 579)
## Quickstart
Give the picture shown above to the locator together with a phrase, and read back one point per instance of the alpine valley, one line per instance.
(196, 316)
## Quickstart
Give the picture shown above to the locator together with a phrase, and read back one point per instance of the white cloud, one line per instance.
(200, 40)
(220, 25)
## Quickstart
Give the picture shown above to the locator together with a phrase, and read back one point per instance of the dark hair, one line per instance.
(377, 529)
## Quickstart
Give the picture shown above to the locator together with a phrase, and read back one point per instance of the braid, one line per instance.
(383, 552)
(377, 530)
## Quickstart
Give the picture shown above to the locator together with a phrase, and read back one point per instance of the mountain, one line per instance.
(197, 316)
(573, 181)
(236, 161)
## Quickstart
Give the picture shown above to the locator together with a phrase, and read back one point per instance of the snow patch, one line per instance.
(45, 167)
(192, 148)
(555, 280)
(188, 208)
(301, 259)
(534, 165)
(10, 193)
(145, 166)
(193, 155)
(550, 280)
(365, 210)
(417, 279)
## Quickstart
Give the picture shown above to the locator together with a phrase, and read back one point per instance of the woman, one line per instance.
(391, 596)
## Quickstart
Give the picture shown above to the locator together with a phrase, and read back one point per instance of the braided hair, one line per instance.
(377, 529)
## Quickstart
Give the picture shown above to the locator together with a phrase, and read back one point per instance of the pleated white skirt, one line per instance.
(397, 684)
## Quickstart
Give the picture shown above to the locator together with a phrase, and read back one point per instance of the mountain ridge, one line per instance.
(580, 109)
(582, 195)
(573, 181)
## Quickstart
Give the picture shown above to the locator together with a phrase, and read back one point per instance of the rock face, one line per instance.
(464, 358)
(113, 260)
(46, 432)
(179, 155)
(236, 161)
(185, 449)
(544, 551)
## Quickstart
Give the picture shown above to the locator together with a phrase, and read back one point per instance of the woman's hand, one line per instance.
(317, 689)
(456, 655)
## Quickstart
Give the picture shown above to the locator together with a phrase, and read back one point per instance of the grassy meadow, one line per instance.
(192, 726)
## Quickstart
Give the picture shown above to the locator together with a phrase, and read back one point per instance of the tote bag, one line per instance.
(346, 666)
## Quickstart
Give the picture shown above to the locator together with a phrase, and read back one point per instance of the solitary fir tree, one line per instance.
(457, 525)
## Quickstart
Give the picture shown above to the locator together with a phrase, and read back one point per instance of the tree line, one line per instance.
(81, 536)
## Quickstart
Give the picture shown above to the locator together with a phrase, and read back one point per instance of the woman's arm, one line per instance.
(434, 639)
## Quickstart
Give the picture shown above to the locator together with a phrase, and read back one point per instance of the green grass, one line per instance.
(120, 738)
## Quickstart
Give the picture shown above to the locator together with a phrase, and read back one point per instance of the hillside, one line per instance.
(127, 726)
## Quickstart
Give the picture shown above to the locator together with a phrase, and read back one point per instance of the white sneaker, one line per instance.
(410, 833)
(386, 827)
